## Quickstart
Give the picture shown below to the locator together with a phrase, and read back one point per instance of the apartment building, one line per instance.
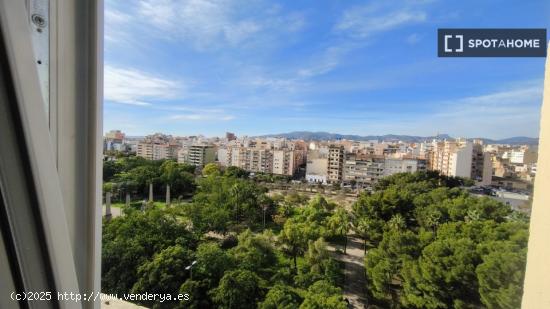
(197, 155)
(252, 159)
(276, 156)
(403, 165)
(317, 165)
(452, 158)
(230, 136)
(461, 158)
(284, 162)
(153, 151)
(365, 170)
(482, 167)
(222, 156)
(523, 155)
(335, 163)
(158, 147)
(115, 135)
(362, 169)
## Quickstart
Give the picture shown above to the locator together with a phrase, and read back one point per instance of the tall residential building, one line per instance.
(452, 158)
(157, 147)
(153, 151)
(403, 165)
(482, 166)
(524, 155)
(222, 156)
(252, 159)
(461, 158)
(283, 162)
(317, 165)
(115, 135)
(365, 170)
(145, 150)
(198, 155)
(335, 163)
(230, 136)
(362, 169)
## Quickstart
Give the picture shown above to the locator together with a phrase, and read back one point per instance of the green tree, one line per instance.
(339, 224)
(131, 240)
(177, 176)
(163, 274)
(383, 264)
(109, 187)
(238, 289)
(254, 252)
(316, 254)
(294, 237)
(323, 295)
(501, 276)
(281, 297)
(236, 172)
(241, 199)
(110, 169)
(212, 263)
(361, 228)
(141, 176)
(397, 223)
(197, 292)
(444, 276)
(211, 169)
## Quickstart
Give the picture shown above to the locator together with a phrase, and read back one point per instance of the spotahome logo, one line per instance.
(491, 42)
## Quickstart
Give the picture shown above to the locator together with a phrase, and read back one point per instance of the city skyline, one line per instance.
(258, 68)
(329, 136)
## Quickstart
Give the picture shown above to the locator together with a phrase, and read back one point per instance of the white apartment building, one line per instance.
(524, 155)
(252, 159)
(461, 158)
(460, 161)
(317, 166)
(403, 165)
(199, 155)
(362, 169)
(283, 162)
(115, 135)
(452, 158)
(154, 151)
(223, 156)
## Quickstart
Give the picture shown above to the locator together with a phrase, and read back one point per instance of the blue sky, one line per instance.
(354, 67)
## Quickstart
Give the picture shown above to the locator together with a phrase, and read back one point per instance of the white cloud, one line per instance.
(329, 60)
(504, 113)
(365, 21)
(115, 21)
(203, 22)
(413, 38)
(130, 86)
(507, 112)
(213, 23)
(277, 84)
(113, 16)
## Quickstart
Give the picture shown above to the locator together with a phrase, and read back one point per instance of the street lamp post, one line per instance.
(190, 269)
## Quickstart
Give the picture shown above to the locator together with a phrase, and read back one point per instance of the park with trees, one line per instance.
(228, 242)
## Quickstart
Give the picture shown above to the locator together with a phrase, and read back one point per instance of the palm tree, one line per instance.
(432, 220)
(397, 222)
(317, 253)
(361, 228)
(339, 224)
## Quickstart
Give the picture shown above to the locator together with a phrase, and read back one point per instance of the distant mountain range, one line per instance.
(307, 135)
